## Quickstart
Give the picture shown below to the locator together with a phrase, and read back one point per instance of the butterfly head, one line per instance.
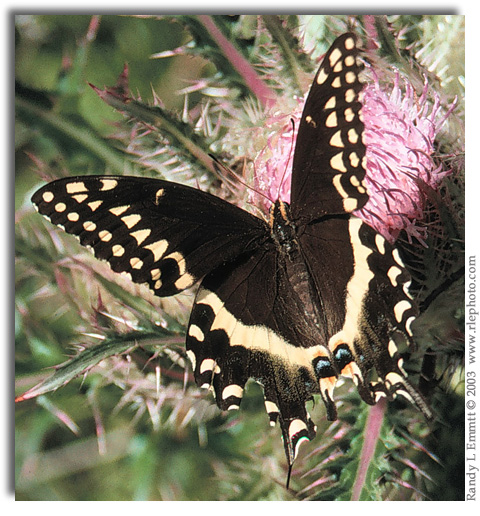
(279, 213)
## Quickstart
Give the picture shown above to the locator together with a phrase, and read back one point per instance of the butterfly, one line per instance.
(296, 300)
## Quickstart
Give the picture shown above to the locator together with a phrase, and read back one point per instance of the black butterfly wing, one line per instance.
(163, 234)
(329, 159)
(360, 281)
(245, 324)
(388, 312)
(365, 304)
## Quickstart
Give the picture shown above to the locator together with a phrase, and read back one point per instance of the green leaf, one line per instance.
(288, 47)
(81, 363)
(158, 118)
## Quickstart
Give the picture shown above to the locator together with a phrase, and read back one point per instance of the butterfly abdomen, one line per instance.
(284, 234)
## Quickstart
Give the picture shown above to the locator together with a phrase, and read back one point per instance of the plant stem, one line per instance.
(260, 90)
(371, 436)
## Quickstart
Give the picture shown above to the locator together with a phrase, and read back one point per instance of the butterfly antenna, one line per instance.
(288, 160)
(218, 166)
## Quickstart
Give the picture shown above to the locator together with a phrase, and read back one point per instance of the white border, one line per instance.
(465, 7)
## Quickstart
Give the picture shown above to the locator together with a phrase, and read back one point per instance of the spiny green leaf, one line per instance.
(79, 364)
(211, 37)
(287, 45)
(156, 117)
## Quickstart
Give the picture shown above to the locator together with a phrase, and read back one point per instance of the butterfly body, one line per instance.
(294, 301)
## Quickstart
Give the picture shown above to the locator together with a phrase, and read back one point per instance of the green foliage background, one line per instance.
(111, 434)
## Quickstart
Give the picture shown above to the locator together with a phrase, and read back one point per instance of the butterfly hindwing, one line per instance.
(374, 312)
(163, 234)
(242, 327)
(329, 159)
(360, 281)
(388, 314)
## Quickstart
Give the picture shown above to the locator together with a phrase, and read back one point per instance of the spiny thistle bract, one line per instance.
(181, 446)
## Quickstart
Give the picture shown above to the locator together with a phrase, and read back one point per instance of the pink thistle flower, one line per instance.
(400, 130)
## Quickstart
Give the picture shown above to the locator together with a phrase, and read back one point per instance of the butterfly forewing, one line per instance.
(329, 159)
(162, 234)
(360, 282)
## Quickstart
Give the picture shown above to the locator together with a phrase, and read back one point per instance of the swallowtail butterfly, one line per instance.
(293, 301)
